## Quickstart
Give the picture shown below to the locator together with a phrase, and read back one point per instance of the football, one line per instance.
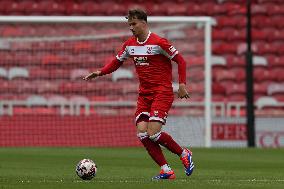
(86, 169)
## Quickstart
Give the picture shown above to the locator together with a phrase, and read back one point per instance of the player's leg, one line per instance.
(159, 110)
(163, 138)
(153, 148)
(158, 115)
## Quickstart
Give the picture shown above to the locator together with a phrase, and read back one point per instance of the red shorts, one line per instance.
(155, 106)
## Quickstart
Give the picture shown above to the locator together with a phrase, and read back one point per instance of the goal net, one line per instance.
(45, 102)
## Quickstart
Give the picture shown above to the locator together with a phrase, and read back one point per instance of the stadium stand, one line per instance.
(228, 48)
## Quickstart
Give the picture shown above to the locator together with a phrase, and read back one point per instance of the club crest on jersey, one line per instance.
(140, 61)
(149, 50)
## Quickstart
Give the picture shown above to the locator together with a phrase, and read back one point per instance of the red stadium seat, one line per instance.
(195, 9)
(14, 8)
(274, 8)
(5, 7)
(261, 21)
(78, 98)
(78, 73)
(260, 89)
(55, 99)
(116, 9)
(38, 73)
(74, 8)
(263, 74)
(174, 9)
(11, 31)
(238, 21)
(52, 7)
(259, 9)
(157, 10)
(46, 86)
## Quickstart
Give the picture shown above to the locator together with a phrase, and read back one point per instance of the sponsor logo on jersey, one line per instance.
(140, 61)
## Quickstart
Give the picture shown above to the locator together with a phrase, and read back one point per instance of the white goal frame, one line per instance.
(206, 21)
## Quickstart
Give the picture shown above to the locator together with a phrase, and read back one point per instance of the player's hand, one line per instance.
(182, 92)
(92, 75)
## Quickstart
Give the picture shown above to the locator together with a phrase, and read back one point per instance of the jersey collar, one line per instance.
(141, 43)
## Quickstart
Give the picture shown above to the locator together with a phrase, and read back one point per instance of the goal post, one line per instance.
(55, 51)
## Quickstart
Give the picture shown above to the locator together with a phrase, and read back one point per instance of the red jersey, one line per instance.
(152, 59)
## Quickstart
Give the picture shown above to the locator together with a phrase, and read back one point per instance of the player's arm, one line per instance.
(182, 92)
(107, 69)
(112, 66)
(170, 51)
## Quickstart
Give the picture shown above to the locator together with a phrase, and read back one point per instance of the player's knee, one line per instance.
(155, 136)
(154, 127)
(142, 135)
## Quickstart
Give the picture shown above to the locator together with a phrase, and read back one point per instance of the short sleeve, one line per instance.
(167, 49)
(123, 53)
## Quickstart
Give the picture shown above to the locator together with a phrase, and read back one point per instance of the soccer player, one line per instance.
(152, 57)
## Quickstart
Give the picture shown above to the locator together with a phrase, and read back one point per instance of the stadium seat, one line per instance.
(78, 73)
(52, 7)
(224, 75)
(3, 7)
(218, 89)
(56, 99)
(175, 9)
(235, 88)
(4, 86)
(176, 34)
(279, 97)
(39, 73)
(274, 88)
(122, 74)
(218, 61)
(18, 72)
(79, 99)
(46, 86)
(261, 21)
(259, 9)
(36, 100)
(3, 73)
(220, 48)
(74, 9)
(259, 60)
(238, 21)
(274, 8)
(14, 8)
(266, 101)
(11, 31)
(117, 9)
(92, 8)
(37, 8)
(260, 89)
(263, 74)
(98, 98)
(157, 9)
(51, 59)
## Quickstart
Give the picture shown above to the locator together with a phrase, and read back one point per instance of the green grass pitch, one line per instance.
(129, 168)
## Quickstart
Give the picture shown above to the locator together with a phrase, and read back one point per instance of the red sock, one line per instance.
(153, 149)
(167, 141)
